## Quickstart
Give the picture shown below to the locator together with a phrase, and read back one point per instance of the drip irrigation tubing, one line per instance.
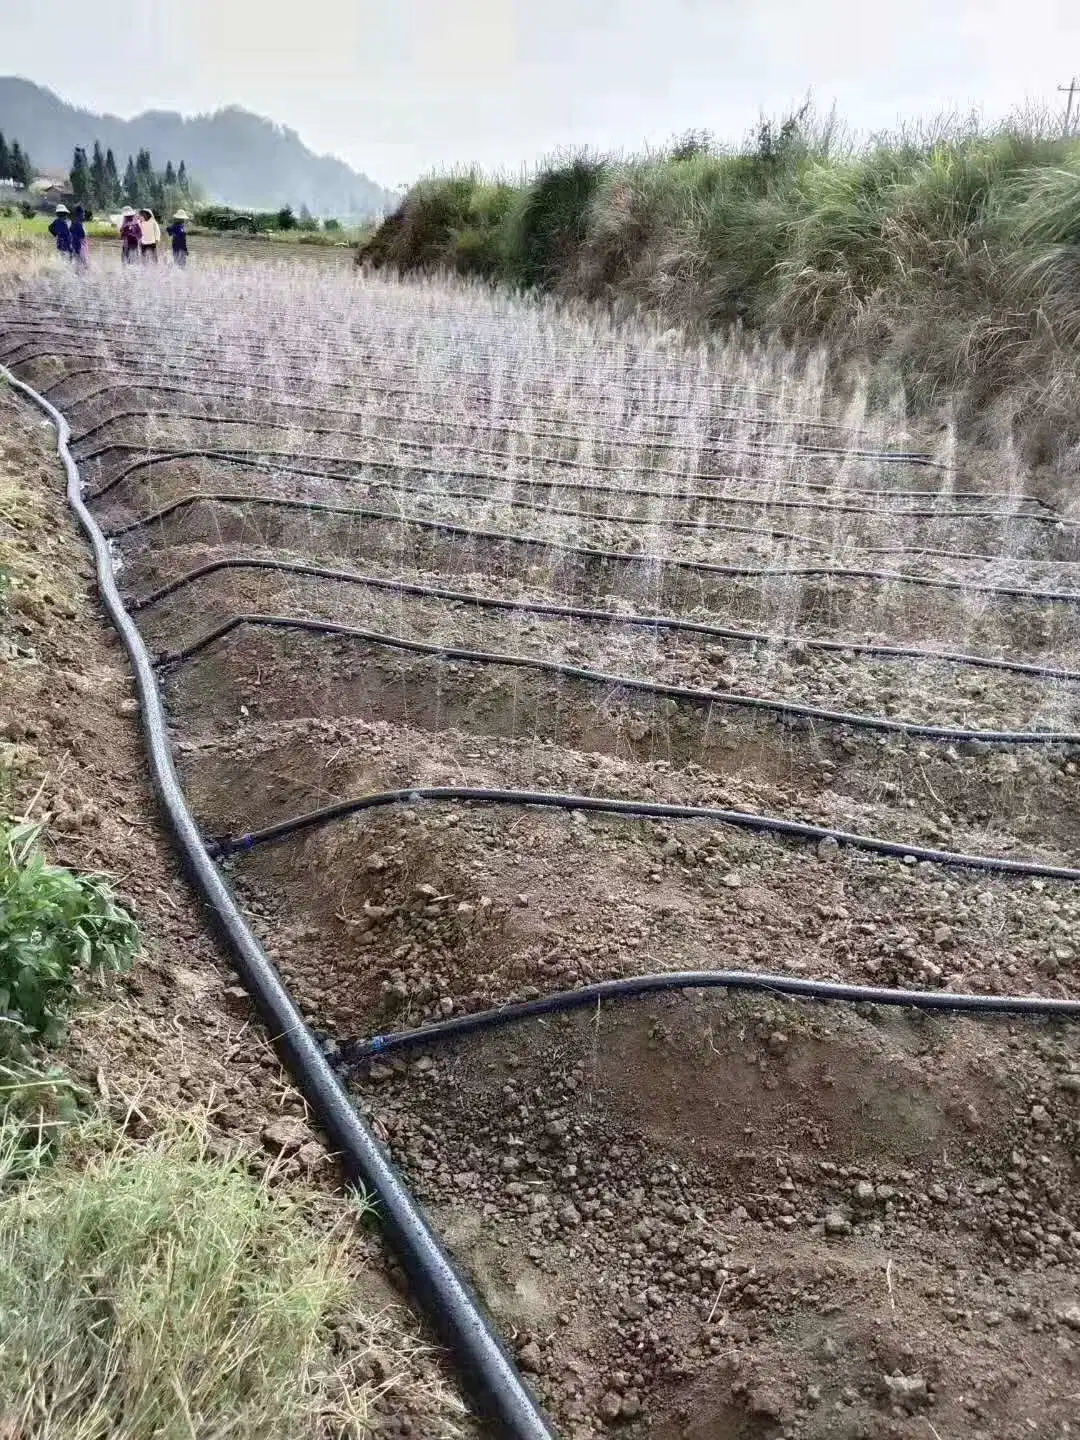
(326, 508)
(566, 462)
(266, 460)
(450, 378)
(803, 451)
(657, 440)
(454, 376)
(496, 502)
(606, 617)
(635, 809)
(747, 450)
(784, 709)
(636, 442)
(754, 419)
(789, 987)
(356, 352)
(666, 562)
(634, 355)
(439, 422)
(452, 1307)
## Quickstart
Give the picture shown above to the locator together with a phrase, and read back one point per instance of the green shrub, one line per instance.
(548, 225)
(54, 926)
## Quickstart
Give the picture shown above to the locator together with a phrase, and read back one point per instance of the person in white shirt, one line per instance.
(150, 235)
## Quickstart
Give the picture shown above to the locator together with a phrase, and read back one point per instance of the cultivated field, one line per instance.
(403, 537)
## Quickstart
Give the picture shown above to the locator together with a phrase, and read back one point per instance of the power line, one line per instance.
(1071, 90)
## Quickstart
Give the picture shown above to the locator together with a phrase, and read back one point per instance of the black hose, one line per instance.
(325, 508)
(784, 708)
(267, 461)
(634, 987)
(564, 462)
(637, 809)
(259, 460)
(719, 526)
(667, 562)
(759, 417)
(451, 1305)
(606, 617)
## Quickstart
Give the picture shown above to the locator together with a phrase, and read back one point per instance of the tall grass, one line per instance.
(157, 1292)
(951, 254)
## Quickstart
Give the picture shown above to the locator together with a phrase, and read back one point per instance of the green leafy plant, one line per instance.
(54, 925)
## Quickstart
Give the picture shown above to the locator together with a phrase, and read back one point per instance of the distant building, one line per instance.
(50, 190)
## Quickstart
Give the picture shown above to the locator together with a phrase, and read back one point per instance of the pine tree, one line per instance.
(5, 159)
(182, 180)
(170, 173)
(145, 185)
(131, 183)
(81, 184)
(19, 168)
(99, 194)
(112, 180)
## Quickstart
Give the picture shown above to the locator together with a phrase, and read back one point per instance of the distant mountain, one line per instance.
(238, 158)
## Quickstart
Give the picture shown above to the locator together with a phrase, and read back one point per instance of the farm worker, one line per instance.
(130, 235)
(79, 242)
(179, 238)
(60, 228)
(149, 235)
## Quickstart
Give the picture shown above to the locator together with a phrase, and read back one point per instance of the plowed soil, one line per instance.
(701, 1216)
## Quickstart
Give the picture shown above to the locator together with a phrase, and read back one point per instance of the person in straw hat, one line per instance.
(178, 233)
(60, 230)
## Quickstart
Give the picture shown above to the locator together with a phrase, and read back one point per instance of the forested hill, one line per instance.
(237, 157)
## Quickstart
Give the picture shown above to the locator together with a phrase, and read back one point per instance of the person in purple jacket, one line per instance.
(79, 243)
(177, 232)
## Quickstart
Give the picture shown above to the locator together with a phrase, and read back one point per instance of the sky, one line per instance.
(401, 87)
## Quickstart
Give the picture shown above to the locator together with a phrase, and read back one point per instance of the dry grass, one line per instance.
(162, 1291)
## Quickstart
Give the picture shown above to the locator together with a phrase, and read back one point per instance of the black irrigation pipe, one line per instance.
(724, 526)
(665, 562)
(440, 422)
(449, 378)
(657, 440)
(408, 443)
(745, 450)
(663, 378)
(400, 487)
(636, 442)
(802, 451)
(558, 461)
(754, 419)
(703, 497)
(326, 508)
(607, 617)
(784, 709)
(635, 809)
(789, 987)
(267, 460)
(449, 1302)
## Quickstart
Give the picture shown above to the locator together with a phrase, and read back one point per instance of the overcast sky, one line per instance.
(398, 87)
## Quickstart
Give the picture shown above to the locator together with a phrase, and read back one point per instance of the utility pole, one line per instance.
(1070, 90)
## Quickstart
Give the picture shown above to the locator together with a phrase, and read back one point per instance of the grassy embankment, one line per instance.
(954, 261)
